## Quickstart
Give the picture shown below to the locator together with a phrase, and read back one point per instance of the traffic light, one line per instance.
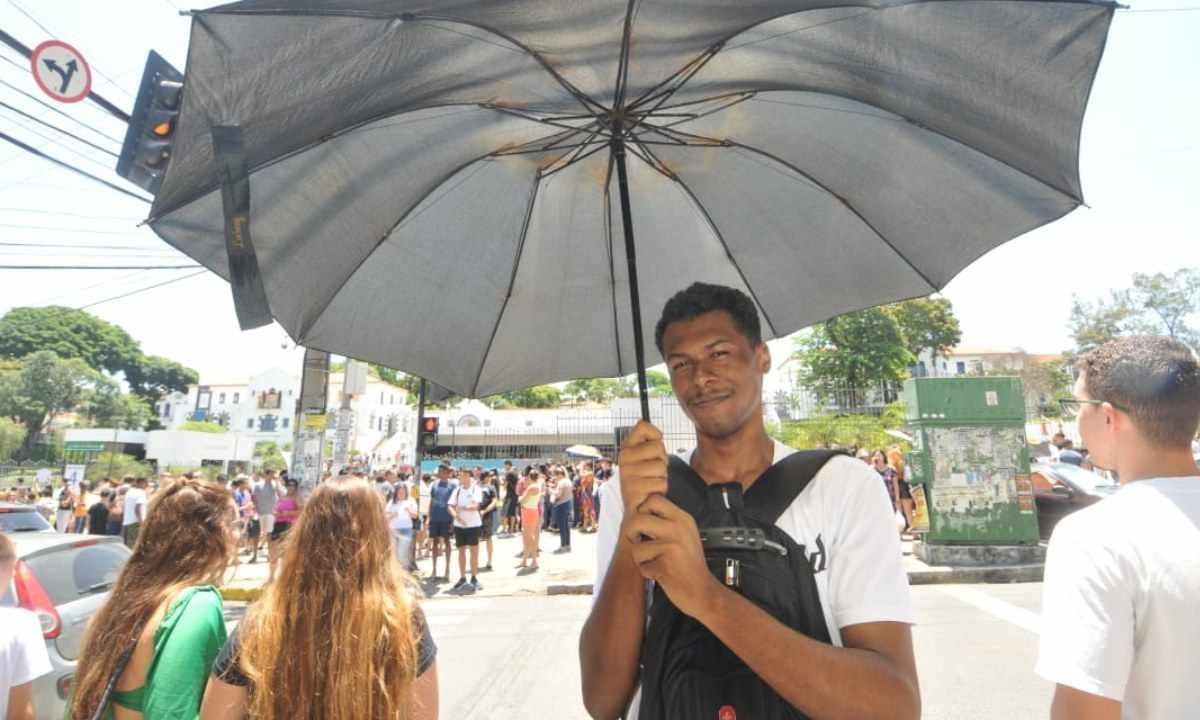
(152, 125)
(429, 433)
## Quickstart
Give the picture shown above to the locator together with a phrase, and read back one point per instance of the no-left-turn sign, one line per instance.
(60, 71)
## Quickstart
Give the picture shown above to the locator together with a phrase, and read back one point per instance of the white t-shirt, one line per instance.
(402, 520)
(23, 656)
(133, 497)
(845, 522)
(467, 496)
(1121, 598)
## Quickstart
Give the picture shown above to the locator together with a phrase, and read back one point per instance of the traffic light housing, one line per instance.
(152, 125)
(429, 433)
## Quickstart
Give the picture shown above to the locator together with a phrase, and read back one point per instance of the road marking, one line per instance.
(1005, 611)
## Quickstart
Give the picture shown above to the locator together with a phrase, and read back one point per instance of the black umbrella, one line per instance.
(430, 185)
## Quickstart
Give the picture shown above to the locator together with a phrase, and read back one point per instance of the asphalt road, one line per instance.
(515, 657)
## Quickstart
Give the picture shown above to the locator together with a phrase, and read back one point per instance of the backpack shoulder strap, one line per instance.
(783, 482)
(685, 487)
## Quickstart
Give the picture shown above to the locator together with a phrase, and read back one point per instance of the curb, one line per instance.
(1001, 574)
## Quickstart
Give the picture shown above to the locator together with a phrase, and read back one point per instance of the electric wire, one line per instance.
(50, 107)
(68, 133)
(142, 290)
(46, 30)
(34, 151)
(98, 267)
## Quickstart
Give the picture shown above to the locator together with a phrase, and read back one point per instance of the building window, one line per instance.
(267, 423)
(380, 424)
(269, 400)
(236, 398)
(960, 367)
(921, 371)
(381, 398)
(250, 424)
(221, 399)
(286, 422)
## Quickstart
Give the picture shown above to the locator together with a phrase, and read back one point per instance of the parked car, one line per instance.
(15, 518)
(64, 580)
(1062, 488)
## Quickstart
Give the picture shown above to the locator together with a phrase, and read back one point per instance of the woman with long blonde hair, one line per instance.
(149, 651)
(338, 635)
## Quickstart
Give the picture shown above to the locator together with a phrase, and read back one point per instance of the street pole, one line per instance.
(420, 452)
(112, 452)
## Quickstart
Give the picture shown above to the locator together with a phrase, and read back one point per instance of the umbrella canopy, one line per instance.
(586, 451)
(434, 186)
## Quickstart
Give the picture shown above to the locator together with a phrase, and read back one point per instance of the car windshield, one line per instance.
(1085, 479)
(15, 521)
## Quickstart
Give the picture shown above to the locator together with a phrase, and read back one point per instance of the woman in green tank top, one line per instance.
(165, 608)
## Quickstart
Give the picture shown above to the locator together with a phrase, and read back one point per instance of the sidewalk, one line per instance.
(573, 573)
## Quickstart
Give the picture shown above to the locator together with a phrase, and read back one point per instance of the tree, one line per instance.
(106, 406)
(927, 324)
(538, 396)
(854, 350)
(268, 456)
(44, 386)
(599, 390)
(116, 465)
(1169, 300)
(658, 384)
(68, 333)
(153, 377)
(12, 437)
(1156, 304)
(202, 426)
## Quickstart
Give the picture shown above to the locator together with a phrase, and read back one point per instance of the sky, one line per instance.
(1140, 163)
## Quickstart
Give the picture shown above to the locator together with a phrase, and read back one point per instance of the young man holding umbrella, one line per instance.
(710, 338)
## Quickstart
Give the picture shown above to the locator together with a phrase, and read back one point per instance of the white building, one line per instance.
(966, 360)
(261, 409)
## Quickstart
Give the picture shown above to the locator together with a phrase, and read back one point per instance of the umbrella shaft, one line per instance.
(618, 150)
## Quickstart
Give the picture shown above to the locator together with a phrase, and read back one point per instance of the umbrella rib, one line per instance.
(308, 325)
(512, 278)
(933, 287)
(721, 238)
(623, 58)
(612, 275)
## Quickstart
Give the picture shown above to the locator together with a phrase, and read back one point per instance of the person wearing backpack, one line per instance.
(746, 580)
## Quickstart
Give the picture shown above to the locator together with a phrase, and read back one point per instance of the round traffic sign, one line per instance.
(60, 71)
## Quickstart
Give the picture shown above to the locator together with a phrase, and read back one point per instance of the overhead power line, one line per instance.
(68, 133)
(142, 290)
(50, 107)
(92, 95)
(99, 267)
(77, 246)
(39, 211)
(34, 151)
(85, 231)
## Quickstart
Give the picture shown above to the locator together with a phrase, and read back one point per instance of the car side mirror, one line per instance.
(1062, 490)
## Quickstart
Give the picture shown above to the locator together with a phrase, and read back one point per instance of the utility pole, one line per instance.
(308, 443)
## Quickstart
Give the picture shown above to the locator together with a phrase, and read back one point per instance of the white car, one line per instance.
(64, 580)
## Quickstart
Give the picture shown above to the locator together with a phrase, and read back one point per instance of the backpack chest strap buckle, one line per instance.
(733, 572)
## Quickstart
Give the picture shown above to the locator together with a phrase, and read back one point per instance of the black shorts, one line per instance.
(905, 493)
(467, 537)
(417, 522)
(280, 530)
(253, 528)
(485, 531)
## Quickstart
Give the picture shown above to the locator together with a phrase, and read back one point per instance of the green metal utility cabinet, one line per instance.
(970, 455)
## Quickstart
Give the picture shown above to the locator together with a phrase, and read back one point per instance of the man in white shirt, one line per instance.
(265, 491)
(135, 512)
(23, 656)
(468, 524)
(711, 340)
(1120, 621)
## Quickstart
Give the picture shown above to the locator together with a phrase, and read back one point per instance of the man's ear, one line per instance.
(764, 358)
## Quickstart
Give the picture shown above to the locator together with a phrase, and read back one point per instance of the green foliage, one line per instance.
(857, 349)
(12, 437)
(202, 426)
(109, 464)
(598, 390)
(1156, 304)
(102, 346)
(268, 456)
(107, 406)
(829, 430)
(43, 386)
(68, 333)
(153, 377)
(927, 324)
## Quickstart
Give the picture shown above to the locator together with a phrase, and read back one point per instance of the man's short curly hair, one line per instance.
(700, 298)
(1155, 379)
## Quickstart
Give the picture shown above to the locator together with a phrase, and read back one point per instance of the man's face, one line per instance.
(443, 474)
(716, 372)
(466, 478)
(1095, 428)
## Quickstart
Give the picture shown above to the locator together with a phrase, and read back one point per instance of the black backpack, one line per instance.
(686, 671)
